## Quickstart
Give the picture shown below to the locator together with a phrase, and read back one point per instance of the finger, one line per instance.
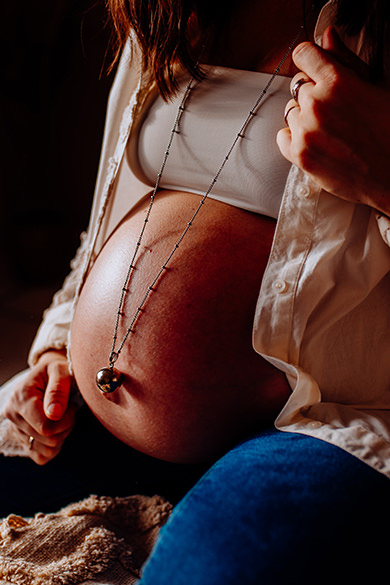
(34, 422)
(49, 431)
(56, 396)
(39, 452)
(25, 407)
(317, 63)
(297, 77)
(289, 111)
(312, 60)
(297, 82)
(50, 439)
(332, 43)
(283, 140)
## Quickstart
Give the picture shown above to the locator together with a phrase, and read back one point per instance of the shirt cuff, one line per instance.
(53, 332)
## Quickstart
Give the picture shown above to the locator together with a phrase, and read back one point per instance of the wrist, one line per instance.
(53, 355)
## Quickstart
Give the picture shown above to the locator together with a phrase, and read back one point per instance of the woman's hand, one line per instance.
(339, 133)
(39, 407)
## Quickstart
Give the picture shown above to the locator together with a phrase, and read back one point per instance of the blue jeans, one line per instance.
(279, 508)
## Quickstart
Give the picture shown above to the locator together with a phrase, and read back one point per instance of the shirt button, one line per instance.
(303, 191)
(280, 286)
(315, 424)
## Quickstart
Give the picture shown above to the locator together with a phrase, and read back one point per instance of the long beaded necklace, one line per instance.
(108, 379)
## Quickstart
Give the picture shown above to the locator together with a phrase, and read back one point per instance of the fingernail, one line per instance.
(54, 410)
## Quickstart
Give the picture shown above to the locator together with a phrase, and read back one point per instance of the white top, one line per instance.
(255, 174)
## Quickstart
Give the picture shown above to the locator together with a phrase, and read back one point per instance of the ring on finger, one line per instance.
(288, 110)
(31, 443)
(296, 87)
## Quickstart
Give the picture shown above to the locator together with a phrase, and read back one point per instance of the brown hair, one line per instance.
(169, 32)
(373, 18)
(172, 31)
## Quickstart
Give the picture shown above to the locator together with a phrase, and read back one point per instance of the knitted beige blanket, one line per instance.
(99, 540)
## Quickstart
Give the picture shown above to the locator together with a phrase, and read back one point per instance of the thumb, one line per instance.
(332, 43)
(56, 398)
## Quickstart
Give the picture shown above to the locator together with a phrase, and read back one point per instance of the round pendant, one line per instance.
(107, 380)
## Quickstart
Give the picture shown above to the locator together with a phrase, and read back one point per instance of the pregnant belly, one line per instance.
(191, 382)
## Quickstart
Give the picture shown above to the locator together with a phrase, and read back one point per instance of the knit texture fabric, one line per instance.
(98, 540)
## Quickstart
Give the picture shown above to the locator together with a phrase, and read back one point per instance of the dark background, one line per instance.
(53, 92)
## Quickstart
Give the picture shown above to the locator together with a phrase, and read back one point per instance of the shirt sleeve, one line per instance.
(10, 444)
(55, 326)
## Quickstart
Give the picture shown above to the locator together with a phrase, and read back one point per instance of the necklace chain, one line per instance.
(115, 354)
(107, 381)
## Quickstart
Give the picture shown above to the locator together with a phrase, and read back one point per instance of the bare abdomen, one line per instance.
(192, 383)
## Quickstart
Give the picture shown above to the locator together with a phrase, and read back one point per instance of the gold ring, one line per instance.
(287, 113)
(31, 443)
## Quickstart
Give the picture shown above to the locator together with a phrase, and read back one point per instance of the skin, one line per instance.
(192, 383)
(338, 135)
(40, 407)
